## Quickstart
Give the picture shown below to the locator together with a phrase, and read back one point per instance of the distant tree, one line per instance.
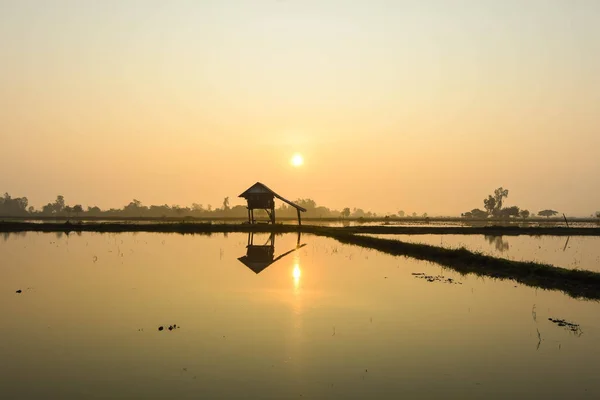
(524, 214)
(309, 204)
(13, 206)
(95, 210)
(489, 204)
(547, 213)
(499, 195)
(468, 214)
(178, 210)
(159, 211)
(414, 214)
(509, 212)
(133, 205)
(424, 215)
(346, 212)
(31, 210)
(48, 209)
(597, 214)
(401, 214)
(77, 209)
(68, 210)
(321, 211)
(477, 214)
(226, 204)
(59, 204)
(209, 208)
(135, 208)
(358, 213)
(197, 207)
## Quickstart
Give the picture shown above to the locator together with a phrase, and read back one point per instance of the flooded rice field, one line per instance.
(253, 316)
(574, 252)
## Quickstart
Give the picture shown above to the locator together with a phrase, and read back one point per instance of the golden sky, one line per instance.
(424, 106)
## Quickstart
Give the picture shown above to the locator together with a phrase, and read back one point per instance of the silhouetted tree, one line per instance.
(13, 206)
(401, 213)
(178, 210)
(135, 208)
(358, 213)
(475, 213)
(493, 204)
(509, 212)
(489, 204)
(95, 210)
(309, 204)
(59, 204)
(346, 212)
(524, 214)
(547, 213)
(499, 195)
(226, 204)
(414, 215)
(597, 214)
(77, 209)
(68, 210)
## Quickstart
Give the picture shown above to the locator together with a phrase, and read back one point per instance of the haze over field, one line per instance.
(424, 106)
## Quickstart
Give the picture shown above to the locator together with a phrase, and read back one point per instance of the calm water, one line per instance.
(576, 252)
(327, 321)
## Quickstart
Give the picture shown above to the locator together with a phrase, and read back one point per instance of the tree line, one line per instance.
(10, 206)
(19, 206)
(493, 208)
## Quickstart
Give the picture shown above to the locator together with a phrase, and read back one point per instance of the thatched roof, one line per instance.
(261, 188)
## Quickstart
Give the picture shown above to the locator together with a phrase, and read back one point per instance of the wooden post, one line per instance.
(273, 215)
(299, 219)
(566, 222)
(249, 219)
(252, 216)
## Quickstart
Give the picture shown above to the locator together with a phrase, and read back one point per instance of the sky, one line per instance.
(421, 106)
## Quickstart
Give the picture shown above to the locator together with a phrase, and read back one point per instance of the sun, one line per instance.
(297, 160)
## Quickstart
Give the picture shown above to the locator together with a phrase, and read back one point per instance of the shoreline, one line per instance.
(209, 227)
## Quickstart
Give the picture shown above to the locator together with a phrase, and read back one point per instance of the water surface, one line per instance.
(326, 321)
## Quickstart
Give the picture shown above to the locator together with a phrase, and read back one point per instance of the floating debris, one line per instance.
(170, 327)
(19, 291)
(436, 278)
(570, 326)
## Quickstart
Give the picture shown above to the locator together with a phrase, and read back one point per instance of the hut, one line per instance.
(259, 196)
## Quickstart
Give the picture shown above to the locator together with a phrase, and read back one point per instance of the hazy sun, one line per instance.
(297, 160)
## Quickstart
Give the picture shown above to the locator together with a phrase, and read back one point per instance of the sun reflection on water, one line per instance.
(296, 273)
